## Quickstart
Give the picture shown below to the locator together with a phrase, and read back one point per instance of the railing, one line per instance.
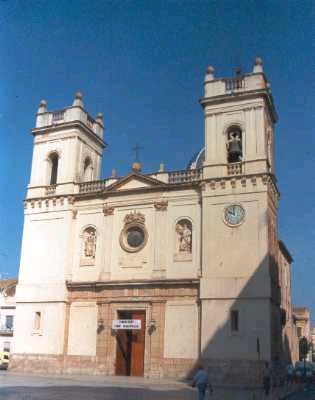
(186, 176)
(234, 168)
(51, 189)
(90, 187)
(4, 330)
(90, 121)
(234, 83)
(58, 115)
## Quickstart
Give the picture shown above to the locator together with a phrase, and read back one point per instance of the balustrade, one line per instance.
(234, 83)
(185, 176)
(90, 121)
(51, 189)
(58, 115)
(234, 168)
(90, 187)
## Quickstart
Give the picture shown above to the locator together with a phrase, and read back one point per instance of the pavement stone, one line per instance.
(14, 386)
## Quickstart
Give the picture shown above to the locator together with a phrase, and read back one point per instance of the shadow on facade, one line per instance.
(238, 356)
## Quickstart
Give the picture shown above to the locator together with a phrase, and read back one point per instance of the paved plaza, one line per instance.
(15, 386)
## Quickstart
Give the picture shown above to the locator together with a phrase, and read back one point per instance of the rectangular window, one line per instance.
(37, 320)
(234, 321)
(6, 346)
(299, 331)
(9, 322)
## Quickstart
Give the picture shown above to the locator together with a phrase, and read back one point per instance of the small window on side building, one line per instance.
(37, 320)
(9, 322)
(6, 346)
(234, 317)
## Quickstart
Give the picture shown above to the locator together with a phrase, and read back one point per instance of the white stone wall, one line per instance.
(181, 330)
(235, 274)
(250, 116)
(72, 147)
(157, 259)
(218, 341)
(49, 338)
(82, 329)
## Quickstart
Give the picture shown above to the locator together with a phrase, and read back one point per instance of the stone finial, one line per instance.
(99, 118)
(162, 167)
(258, 66)
(209, 74)
(114, 173)
(136, 167)
(78, 102)
(42, 107)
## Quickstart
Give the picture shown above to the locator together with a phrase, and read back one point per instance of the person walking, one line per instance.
(267, 379)
(290, 373)
(201, 381)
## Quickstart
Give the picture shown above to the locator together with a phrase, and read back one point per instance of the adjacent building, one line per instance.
(290, 342)
(145, 274)
(7, 313)
(303, 324)
(313, 343)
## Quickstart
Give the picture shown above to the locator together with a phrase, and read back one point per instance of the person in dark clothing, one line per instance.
(201, 381)
(267, 379)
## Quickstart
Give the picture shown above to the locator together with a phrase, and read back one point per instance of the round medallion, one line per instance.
(234, 214)
(135, 236)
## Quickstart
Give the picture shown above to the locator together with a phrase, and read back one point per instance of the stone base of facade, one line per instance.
(234, 372)
(221, 372)
(54, 364)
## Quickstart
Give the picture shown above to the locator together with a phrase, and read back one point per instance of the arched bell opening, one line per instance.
(53, 160)
(87, 170)
(234, 144)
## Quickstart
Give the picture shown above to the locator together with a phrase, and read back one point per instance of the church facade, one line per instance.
(148, 273)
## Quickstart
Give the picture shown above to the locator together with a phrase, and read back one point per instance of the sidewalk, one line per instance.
(169, 388)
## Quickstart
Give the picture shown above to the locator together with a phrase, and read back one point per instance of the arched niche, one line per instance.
(88, 245)
(183, 239)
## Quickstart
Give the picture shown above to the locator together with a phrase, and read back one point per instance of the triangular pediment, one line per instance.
(135, 181)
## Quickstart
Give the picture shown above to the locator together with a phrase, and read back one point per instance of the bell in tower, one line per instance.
(234, 145)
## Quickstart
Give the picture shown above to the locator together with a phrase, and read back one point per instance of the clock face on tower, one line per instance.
(234, 214)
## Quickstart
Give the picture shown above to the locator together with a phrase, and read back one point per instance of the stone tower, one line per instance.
(239, 296)
(67, 150)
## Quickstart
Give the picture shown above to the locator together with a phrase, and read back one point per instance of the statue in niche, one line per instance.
(184, 237)
(89, 243)
(234, 146)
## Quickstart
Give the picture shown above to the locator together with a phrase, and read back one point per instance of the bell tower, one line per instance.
(238, 286)
(68, 146)
(239, 124)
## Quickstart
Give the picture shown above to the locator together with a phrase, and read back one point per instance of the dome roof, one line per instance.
(197, 160)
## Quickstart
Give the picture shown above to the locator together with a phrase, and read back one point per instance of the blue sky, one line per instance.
(142, 64)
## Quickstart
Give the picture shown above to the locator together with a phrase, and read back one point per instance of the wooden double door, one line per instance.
(130, 346)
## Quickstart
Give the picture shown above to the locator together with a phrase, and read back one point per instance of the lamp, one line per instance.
(100, 325)
(152, 326)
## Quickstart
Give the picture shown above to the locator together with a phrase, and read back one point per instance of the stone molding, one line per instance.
(108, 210)
(134, 218)
(39, 203)
(249, 181)
(74, 213)
(161, 205)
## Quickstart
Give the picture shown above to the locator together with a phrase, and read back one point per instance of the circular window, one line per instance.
(133, 237)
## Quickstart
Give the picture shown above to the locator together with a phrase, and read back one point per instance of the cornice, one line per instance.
(127, 283)
(243, 179)
(250, 94)
(66, 125)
